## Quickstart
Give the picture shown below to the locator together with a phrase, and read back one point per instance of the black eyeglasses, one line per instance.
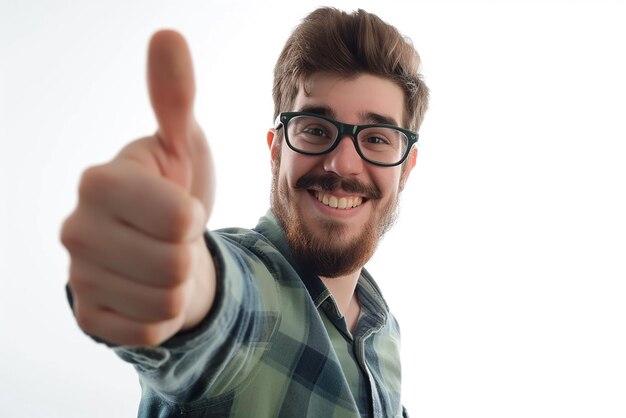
(379, 144)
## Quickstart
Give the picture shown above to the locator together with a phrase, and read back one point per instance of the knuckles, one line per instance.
(93, 183)
(72, 235)
(172, 304)
(177, 264)
(97, 181)
(179, 220)
(176, 217)
(86, 319)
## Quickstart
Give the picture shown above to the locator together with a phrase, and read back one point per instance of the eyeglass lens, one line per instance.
(316, 135)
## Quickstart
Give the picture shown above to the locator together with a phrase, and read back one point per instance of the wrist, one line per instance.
(202, 287)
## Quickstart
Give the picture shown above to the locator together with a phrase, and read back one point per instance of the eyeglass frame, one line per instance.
(344, 129)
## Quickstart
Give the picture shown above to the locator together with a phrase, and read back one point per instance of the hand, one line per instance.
(140, 271)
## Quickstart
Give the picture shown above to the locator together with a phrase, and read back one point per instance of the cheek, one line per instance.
(286, 175)
(284, 171)
(292, 167)
(388, 182)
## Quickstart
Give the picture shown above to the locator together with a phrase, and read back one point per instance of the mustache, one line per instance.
(330, 182)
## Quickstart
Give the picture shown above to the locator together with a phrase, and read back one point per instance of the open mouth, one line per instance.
(338, 202)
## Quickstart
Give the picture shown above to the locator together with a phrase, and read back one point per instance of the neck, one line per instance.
(343, 290)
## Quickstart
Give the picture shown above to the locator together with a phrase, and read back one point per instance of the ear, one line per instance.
(274, 146)
(410, 163)
(271, 134)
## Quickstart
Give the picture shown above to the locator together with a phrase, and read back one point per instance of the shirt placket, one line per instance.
(364, 332)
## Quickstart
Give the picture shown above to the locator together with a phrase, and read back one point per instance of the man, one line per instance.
(281, 320)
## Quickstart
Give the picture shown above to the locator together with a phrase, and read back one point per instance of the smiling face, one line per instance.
(335, 207)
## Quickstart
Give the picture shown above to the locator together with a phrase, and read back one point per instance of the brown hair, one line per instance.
(330, 40)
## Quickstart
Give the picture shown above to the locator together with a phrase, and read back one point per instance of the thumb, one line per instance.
(172, 89)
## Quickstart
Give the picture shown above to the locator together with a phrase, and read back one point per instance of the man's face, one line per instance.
(335, 207)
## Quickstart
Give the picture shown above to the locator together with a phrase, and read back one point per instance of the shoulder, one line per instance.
(253, 246)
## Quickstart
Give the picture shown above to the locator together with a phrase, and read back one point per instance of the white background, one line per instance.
(506, 270)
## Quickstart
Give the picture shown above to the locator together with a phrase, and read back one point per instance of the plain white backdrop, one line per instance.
(507, 267)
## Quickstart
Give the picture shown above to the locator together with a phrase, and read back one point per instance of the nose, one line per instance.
(344, 160)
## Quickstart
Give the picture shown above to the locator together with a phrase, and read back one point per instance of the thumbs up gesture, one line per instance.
(140, 271)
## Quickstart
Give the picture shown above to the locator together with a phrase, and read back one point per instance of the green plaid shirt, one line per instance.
(274, 344)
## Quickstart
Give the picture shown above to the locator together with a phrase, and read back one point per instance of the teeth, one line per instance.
(339, 203)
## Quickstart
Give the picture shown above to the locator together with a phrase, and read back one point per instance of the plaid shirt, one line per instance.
(274, 344)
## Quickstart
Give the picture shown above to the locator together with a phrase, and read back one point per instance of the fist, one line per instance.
(139, 268)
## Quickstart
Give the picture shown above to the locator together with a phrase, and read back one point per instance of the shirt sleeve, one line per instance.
(220, 353)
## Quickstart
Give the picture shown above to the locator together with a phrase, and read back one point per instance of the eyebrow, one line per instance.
(376, 118)
(319, 110)
(369, 117)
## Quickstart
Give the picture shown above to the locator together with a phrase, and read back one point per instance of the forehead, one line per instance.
(351, 99)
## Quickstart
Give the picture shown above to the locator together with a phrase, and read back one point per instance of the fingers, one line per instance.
(135, 241)
(129, 298)
(123, 301)
(183, 154)
(127, 192)
(117, 329)
(172, 89)
(125, 251)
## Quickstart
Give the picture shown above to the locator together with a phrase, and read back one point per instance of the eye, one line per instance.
(378, 140)
(315, 131)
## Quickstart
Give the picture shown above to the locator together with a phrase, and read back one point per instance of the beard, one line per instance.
(331, 253)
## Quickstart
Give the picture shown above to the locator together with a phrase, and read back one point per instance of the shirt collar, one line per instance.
(270, 228)
(368, 292)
